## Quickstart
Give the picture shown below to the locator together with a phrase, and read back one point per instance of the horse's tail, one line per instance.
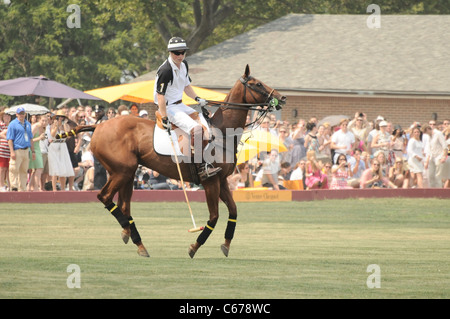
(76, 130)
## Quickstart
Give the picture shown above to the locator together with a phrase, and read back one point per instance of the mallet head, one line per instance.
(193, 230)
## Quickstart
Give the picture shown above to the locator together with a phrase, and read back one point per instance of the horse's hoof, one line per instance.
(191, 251)
(225, 250)
(125, 236)
(143, 252)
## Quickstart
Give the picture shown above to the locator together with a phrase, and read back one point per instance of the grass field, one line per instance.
(283, 250)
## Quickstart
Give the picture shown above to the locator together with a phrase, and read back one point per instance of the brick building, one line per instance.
(336, 64)
(399, 109)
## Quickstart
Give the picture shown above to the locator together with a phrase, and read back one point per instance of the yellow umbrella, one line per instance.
(125, 92)
(245, 153)
(142, 92)
(263, 141)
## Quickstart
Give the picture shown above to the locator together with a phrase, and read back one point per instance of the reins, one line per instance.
(237, 106)
(263, 108)
(270, 101)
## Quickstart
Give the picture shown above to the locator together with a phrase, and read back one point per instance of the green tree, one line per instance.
(120, 40)
(97, 53)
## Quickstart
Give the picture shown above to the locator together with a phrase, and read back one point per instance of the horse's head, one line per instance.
(258, 92)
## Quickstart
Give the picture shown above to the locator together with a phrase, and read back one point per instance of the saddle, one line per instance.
(181, 139)
(181, 142)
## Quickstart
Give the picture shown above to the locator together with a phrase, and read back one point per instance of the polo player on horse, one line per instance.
(172, 79)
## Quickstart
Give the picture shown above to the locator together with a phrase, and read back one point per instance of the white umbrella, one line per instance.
(32, 109)
(333, 120)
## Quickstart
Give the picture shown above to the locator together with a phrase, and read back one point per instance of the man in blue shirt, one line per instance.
(20, 137)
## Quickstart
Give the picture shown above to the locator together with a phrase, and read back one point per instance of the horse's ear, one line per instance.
(247, 71)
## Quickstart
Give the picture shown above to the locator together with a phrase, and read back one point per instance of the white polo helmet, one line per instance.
(177, 44)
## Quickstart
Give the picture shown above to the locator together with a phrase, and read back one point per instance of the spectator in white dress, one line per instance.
(59, 161)
(416, 157)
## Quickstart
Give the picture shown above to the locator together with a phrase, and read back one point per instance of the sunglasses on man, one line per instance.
(179, 52)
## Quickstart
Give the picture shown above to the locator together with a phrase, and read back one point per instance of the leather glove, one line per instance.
(200, 101)
(165, 123)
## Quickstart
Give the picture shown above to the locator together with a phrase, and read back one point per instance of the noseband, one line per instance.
(260, 89)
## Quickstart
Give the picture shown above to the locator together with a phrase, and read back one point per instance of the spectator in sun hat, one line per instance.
(19, 136)
(373, 133)
(143, 114)
(382, 141)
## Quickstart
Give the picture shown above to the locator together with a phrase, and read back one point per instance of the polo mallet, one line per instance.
(195, 229)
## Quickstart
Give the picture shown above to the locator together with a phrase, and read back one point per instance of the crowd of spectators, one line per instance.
(49, 163)
(351, 153)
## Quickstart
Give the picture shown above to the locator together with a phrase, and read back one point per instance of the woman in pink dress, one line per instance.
(341, 173)
(314, 177)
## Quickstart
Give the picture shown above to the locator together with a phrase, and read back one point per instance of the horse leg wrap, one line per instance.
(117, 213)
(231, 226)
(205, 234)
(135, 237)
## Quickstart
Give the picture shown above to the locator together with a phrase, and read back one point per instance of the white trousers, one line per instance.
(435, 168)
(178, 114)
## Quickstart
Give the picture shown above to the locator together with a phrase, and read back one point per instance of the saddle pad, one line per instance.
(161, 139)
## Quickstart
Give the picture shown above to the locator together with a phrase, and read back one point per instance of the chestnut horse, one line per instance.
(122, 143)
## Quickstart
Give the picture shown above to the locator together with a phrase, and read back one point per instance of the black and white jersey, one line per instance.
(171, 81)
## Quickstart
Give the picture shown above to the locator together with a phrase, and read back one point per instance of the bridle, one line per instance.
(258, 88)
(271, 101)
(263, 109)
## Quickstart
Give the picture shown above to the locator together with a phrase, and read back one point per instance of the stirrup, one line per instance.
(206, 170)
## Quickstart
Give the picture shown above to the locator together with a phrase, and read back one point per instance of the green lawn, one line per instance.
(317, 249)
